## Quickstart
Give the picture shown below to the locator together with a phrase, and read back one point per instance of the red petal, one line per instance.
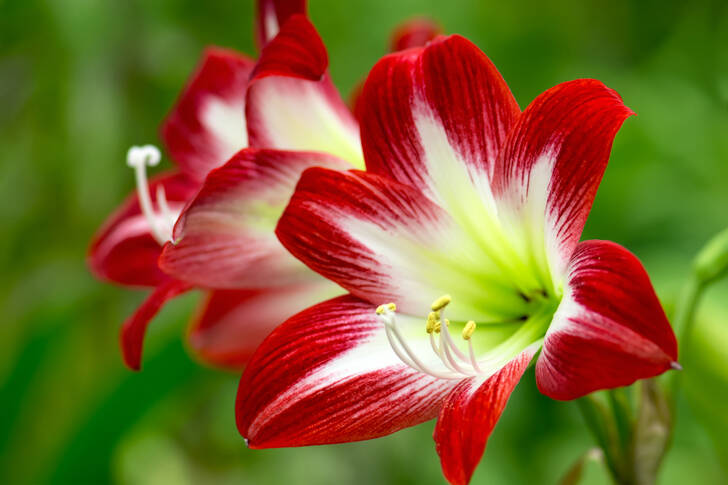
(271, 14)
(292, 103)
(123, 250)
(556, 155)
(207, 125)
(328, 375)
(225, 237)
(232, 323)
(297, 51)
(469, 415)
(131, 337)
(414, 32)
(440, 109)
(609, 330)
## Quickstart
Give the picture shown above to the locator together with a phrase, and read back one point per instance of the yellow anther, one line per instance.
(469, 330)
(438, 326)
(382, 309)
(441, 303)
(431, 321)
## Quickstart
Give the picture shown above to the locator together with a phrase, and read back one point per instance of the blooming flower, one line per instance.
(459, 247)
(207, 127)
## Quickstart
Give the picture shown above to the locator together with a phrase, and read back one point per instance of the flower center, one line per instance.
(448, 360)
(160, 219)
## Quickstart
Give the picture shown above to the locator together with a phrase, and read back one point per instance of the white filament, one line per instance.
(457, 364)
(161, 221)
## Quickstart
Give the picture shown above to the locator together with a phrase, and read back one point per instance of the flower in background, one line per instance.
(459, 247)
(257, 284)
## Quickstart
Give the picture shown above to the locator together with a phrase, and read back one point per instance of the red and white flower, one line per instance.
(459, 247)
(210, 223)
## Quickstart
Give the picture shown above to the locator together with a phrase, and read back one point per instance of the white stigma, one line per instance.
(161, 221)
(457, 363)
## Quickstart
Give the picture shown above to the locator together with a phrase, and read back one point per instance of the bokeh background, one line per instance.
(82, 80)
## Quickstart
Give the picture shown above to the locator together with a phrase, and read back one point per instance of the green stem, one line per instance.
(686, 307)
(604, 429)
(710, 265)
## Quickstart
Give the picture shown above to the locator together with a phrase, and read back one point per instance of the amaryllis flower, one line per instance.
(459, 247)
(204, 129)
(207, 128)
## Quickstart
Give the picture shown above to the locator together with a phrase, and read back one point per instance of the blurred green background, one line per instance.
(82, 80)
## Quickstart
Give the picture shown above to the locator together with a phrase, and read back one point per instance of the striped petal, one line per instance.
(436, 117)
(551, 166)
(233, 323)
(207, 125)
(609, 330)
(469, 415)
(328, 375)
(225, 237)
(123, 250)
(385, 241)
(292, 103)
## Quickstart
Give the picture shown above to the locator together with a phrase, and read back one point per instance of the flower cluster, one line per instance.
(434, 238)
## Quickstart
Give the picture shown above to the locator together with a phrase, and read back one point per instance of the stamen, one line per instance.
(450, 343)
(431, 321)
(160, 224)
(441, 303)
(469, 330)
(473, 360)
(457, 363)
(448, 346)
(467, 334)
(392, 331)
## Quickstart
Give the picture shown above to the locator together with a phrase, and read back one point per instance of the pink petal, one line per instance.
(131, 337)
(123, 250)
(271, 14)
(328, 375)
(415, 32)
(609, 330)
(469, 415)
(225, 237)
(207, 125)
(555, 157)
(438, 110)
(232, 323)
(292, 103)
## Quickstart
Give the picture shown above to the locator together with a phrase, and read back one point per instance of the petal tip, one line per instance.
(131, 348)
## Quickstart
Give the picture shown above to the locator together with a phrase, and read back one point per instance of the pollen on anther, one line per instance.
(381, 309)
(469, 329)
(391, 307)
(441, 303)
(431, 321)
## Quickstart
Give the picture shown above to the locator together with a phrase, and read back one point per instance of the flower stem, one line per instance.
(710, 265)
